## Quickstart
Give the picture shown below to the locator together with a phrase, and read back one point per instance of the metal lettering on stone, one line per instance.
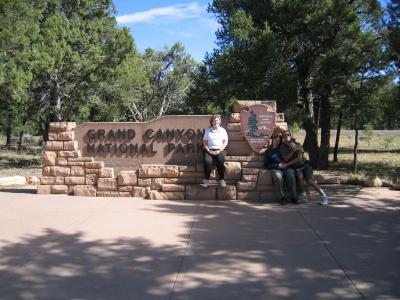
(257, 124)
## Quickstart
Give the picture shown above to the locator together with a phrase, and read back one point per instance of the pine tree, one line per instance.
(252, 123)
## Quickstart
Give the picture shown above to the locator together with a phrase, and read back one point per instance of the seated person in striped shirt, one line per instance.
(293, 154)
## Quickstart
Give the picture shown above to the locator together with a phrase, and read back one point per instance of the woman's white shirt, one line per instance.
(215, 137)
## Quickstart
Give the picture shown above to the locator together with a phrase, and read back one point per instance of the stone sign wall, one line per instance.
(126, 146)
(160, 159)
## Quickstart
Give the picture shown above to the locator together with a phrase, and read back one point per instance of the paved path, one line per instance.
(60, 247)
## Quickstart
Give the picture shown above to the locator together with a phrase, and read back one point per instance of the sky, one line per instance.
(160, 23)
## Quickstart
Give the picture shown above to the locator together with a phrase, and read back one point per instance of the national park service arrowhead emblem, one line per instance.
(257, 124)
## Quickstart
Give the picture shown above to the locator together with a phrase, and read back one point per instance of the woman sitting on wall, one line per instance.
(279, 170)
(215, 141)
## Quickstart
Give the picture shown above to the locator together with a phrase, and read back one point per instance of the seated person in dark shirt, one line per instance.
(279, 170)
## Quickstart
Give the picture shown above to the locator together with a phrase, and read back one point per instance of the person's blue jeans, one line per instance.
(288, 176)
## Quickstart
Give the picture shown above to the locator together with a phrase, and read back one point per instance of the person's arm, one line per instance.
(285, 153)
(205, 146)
(294, 161)
(288, 156)
(272, 162)
(294, 148)
(297, 157)
(205, 142)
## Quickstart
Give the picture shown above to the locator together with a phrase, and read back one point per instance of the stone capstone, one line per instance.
(54, 145)
(227, 193)
(127, 178)
(71, 146)
(158, 171)
(43, 189)
(107, 184)
(173, 188)
(156, 183)
(197, 192)
(264, 177)
(49, 158)
(59, 189)
(85, 191)
(246, 186)
(233, 170)
(106, 172)
(240, 105)
(91, 179)
(140, 192)
(156, 195)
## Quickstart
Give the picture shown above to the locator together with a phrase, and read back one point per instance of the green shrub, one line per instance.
(369, 132)
(295, 128)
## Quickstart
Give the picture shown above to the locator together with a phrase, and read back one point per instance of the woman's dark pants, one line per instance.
(219, 163)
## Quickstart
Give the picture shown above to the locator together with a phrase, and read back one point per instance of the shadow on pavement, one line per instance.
(18, 190)
(348, 250)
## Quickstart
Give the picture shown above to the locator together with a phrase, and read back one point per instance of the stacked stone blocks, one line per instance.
(65, 171)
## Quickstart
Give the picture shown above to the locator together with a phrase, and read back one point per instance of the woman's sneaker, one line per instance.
(324, 200)
(301, 198)
(205, 183)
(222, 183)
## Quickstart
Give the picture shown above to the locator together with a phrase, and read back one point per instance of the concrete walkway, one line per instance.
(60, 247)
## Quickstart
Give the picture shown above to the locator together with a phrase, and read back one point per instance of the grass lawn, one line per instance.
(379, 156)
(385, 165)
(25, 162)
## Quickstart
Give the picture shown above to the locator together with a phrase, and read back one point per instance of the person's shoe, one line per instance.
(222, 183)
(324, 200)
(301, 198)
(294, 200)
(205, 183)
(282, 201)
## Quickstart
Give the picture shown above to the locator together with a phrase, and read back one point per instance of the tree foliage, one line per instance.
(18, 31)
(159, 83)
(298, 52)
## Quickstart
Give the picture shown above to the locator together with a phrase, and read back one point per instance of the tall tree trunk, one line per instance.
(45, 131)
(56, 102)
(339, 127)
(21, 134)
(8, 135)
(355, 150)
(325, 122)
(311, 139)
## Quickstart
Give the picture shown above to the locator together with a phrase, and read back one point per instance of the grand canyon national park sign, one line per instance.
(161, 158)
(257, 125)
(124, 146)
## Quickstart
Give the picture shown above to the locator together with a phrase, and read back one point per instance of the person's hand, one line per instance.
(282, 166)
